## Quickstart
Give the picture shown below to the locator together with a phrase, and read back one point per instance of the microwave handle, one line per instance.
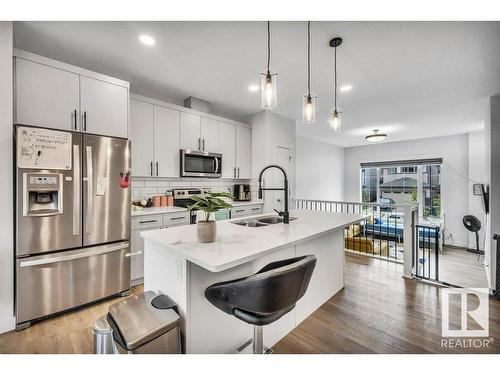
(216, 164)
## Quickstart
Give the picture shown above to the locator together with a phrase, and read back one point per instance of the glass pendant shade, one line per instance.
(268, 90)
(309, 109)
(335, 121)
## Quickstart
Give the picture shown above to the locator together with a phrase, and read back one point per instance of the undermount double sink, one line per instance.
(262, 221)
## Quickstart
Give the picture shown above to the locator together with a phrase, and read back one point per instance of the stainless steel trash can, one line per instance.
(140, 327)
(103, 337)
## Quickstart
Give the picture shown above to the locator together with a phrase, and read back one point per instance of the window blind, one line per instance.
(399, 163)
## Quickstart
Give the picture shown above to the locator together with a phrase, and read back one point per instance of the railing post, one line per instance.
(407, 242)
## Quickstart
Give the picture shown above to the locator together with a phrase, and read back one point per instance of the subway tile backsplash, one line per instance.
(144, 188)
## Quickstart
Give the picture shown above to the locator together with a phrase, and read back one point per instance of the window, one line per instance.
(369, 185)
(404, 184)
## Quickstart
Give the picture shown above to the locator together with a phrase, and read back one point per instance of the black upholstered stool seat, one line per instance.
(266, 296)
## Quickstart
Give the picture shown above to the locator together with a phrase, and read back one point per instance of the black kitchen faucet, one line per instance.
(285, 214)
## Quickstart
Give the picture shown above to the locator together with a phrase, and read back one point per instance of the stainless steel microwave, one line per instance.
(196, 163)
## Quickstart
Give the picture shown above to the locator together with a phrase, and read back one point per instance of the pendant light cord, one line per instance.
(268, 45)
(335, 78)
(308, 59)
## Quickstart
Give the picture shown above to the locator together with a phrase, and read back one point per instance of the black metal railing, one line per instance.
(426, 252)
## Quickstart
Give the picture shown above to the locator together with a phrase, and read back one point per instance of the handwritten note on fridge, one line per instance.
(43, 148)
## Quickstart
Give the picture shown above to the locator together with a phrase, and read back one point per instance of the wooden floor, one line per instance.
(67, 333)
(459, 267)
(377, 312)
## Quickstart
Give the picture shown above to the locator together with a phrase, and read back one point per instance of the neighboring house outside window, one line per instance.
(404, 184)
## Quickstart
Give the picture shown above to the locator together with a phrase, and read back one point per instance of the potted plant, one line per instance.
(207, 229)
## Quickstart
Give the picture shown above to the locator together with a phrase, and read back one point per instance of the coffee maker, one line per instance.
(241, 192)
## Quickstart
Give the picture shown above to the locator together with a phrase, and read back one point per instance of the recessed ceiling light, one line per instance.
(253, 88)
(147, 39)
(346, 88)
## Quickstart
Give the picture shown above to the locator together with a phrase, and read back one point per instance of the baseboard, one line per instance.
(7, 325)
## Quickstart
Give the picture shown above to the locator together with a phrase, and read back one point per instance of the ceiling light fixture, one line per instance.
(147, 39)
(345, 88)
(309, 104)
(376, 136)
(335, 115)
(253, 88)
(268, 79)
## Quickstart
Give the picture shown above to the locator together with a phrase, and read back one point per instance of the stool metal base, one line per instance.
(257, 343)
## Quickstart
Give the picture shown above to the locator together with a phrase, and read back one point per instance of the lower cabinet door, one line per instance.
(137, 256)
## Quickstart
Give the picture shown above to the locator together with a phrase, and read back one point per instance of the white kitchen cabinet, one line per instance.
(141, 137)
(104, 107)
(137, 255)
(53, 94)
(243, 152)
(209, 134)
(46, 96)
(166, 142)
(227, 147)
(190, 131)
(250, 210)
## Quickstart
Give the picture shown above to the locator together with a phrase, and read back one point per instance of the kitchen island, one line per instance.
(178, 265)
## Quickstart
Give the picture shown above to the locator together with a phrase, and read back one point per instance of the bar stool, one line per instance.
(266, 296)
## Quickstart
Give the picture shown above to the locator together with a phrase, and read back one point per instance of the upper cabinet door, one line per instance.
(190, 138)
(141, 136)
(104, 107)
(46, 96)
(166, 142)
(227, 147)
(243, 152)
(209, 134)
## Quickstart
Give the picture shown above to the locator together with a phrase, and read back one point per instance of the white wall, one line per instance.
(270, 131)
(6, 194)
(453, 150)
(477, 174)
(319, 170)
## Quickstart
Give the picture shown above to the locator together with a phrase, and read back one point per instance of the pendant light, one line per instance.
(376, 136)
(268, 79)
(334, 119)
(309, 104)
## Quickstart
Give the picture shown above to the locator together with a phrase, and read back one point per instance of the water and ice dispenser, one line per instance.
(43, 194)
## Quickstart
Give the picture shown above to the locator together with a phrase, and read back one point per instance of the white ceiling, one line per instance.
(410, 79)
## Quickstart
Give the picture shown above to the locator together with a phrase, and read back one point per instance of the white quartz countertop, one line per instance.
(237, 244)
(172, 209)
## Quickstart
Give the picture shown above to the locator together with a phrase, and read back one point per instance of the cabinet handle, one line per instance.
(177, 218)
(151, 169)
(128, 255)
(256, 209)
(238, 172)
(199, 143)
(234, 172)
(239, 210)
(148, 221)
(84, 121)
(76, 118)
(156, 169)
(203, 144)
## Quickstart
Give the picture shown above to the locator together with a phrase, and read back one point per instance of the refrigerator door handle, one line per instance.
(64, 258)
(76, 190)
(89, 216)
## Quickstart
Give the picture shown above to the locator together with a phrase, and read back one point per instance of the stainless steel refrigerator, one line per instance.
(72, 227)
